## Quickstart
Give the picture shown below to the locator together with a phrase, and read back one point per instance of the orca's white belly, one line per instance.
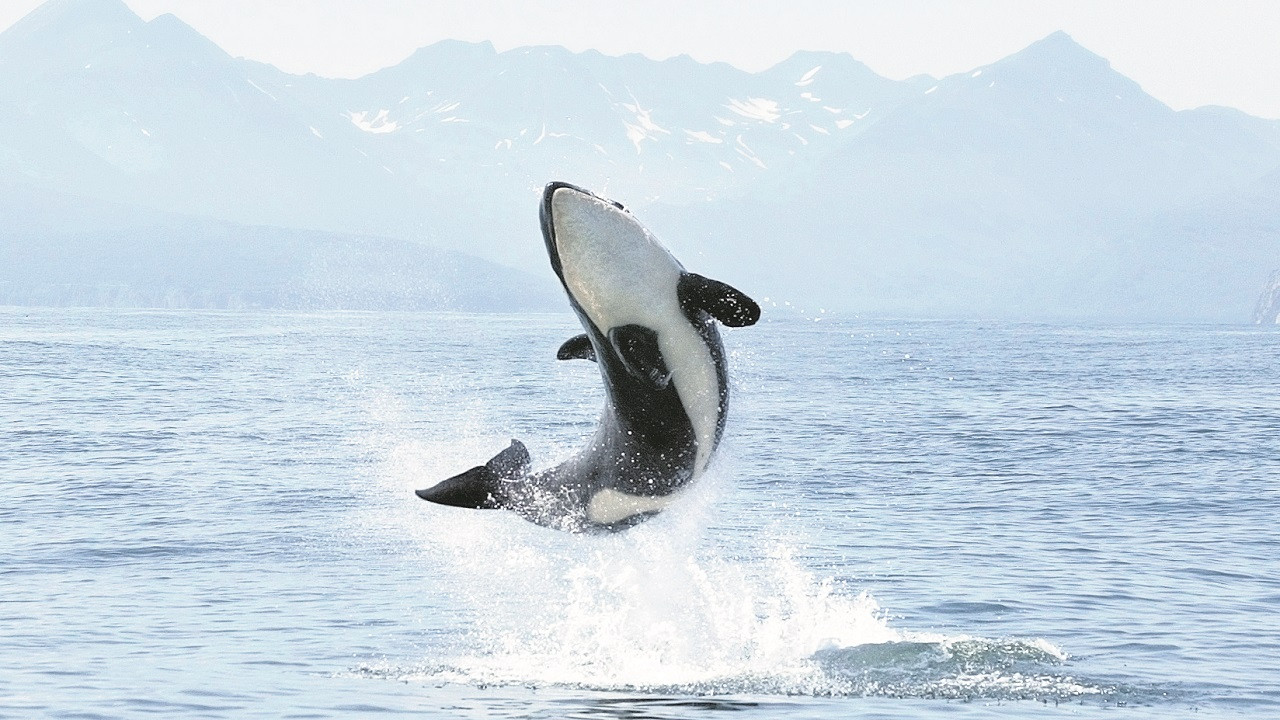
(621, 275)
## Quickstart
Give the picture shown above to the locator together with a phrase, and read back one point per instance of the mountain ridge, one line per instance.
(1012, 187)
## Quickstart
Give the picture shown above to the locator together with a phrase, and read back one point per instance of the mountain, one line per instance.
(57, 249)
(467, 126)
(99, 103)
(1033, 187)
(1043, 185)
(1216, 251)
(537, 110)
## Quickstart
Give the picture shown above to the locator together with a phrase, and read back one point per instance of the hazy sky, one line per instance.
(1185, 52)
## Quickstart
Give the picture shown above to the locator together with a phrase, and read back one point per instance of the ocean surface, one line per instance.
(211, 515)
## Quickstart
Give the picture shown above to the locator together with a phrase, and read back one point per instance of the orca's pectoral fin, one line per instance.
(481, 486)
(637, 347)
(577, 347)
(723, 302)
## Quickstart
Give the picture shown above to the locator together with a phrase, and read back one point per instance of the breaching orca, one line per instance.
(650, 329)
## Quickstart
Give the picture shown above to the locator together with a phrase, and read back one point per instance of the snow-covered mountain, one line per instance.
(1045, 184)
(98, 103)
(650, 129)
(101, 103)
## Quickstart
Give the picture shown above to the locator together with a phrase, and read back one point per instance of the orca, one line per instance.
(650, 327)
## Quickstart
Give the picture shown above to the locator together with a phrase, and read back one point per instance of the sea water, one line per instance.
(211, 515)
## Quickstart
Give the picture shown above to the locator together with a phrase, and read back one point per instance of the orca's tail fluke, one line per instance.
(482, 487)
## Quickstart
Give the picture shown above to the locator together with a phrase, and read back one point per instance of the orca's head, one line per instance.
(568, 209)
(608, 262)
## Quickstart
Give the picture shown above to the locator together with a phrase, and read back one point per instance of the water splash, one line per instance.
(647, 614)
(664, 609)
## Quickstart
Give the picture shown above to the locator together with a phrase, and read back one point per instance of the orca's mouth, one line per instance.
(548, 222)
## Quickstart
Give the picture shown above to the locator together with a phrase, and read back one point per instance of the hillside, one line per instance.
(61, 250)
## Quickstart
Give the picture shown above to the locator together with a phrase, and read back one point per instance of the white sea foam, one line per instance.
(664, 607)
(641, 610)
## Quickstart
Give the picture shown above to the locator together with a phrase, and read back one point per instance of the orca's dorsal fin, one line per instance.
(511, 463)
(577, 347)
(723, 302)
(481, 486)
(637, 347)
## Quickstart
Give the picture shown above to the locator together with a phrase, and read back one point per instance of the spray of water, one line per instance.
(663, 607)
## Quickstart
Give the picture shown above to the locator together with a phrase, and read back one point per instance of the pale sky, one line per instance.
(1184, 52)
